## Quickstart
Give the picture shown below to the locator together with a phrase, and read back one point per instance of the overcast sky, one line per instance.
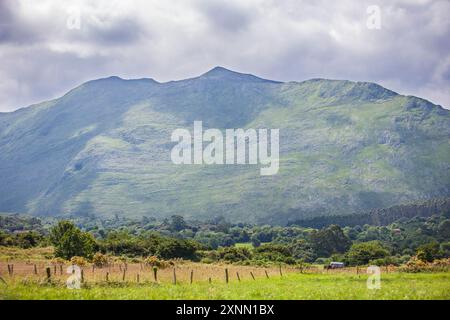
(43, 53)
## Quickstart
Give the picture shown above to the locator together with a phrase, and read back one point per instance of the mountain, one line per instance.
(104, 149)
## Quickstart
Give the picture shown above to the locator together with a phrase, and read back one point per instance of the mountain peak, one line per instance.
(221, 73)
(220, 70)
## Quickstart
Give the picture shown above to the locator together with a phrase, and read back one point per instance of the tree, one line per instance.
(69, 241)
(302, 250)
(28, 239)
(428, 252)
(329, 240)
(255, 241)
(274, 252)
(444, 229)
(177, 223)
(362, 253)
(176, 248)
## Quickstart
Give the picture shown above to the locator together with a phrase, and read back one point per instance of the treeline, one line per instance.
(381, 217)
(220, 241)
(17, 222)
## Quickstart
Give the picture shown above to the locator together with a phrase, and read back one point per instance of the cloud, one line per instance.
(40, 58)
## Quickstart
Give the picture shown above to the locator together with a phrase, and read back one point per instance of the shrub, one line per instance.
(234, 254)
(324, 261)
(388, 261)
(417, 265)
(207, 260)
(58, 260)
(153, 261)
(176, 248)
(79, 261)
(274, 253)
(100, 260)
(212, 255)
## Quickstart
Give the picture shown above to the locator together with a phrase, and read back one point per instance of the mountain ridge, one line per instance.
(104, 148)
(219, 70)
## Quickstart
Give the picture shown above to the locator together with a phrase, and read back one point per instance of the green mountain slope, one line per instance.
(104, 149)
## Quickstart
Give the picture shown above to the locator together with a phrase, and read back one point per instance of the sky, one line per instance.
(48, 47)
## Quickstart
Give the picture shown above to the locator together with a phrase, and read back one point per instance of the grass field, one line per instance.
(136, 281)
(290, 286)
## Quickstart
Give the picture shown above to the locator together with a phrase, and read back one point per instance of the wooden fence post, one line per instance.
(281, 272)
(239, 278)
(192, 275)
(107, 276)
(35, 269)
(174, 276)
(251, 273)
(137, 278)
(267, 275)
(226, 275)
(49, 273)
(82, 276)
(209, 280)
(10, 269)
(155, 273)
(60, 269)
(123, 274)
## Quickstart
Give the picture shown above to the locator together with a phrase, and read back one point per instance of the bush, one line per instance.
(388, 261)
(176, 248)
(100, 260)
(417, 265)
(153, 261)
(234, 254)
(324, 261)
(79, 261)
(207, 260)
(274, 253)
(58, 261)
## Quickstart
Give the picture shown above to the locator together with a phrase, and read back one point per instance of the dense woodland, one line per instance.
(393, 237)
(381, 217)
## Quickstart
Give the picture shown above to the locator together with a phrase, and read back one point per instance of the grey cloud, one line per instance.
(225, 16)
(12, 28)
(281, 40)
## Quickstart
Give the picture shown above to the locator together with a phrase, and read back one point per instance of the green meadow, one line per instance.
(401, 286)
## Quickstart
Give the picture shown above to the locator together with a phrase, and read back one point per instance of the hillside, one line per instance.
(104, 149)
